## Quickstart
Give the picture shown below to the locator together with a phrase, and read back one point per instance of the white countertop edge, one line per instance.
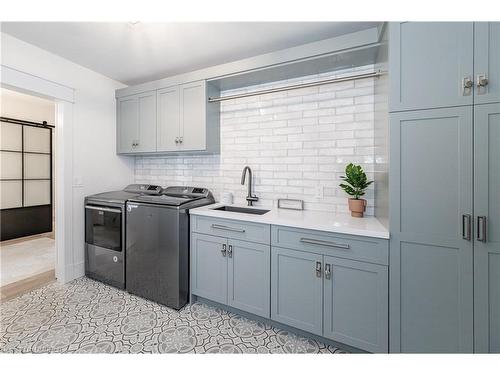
(314, 220)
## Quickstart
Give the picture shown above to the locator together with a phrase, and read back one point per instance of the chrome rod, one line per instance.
(298, 86)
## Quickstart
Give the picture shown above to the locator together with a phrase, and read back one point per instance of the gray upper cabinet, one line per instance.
(356, 304)
(168, 119)
(297, 289)
(209, 267)
(487, 62)
(193, 100)
(136, 123)
(487, 236)
(430, 63)
(431, 257)
(175, 119)
(249, 284)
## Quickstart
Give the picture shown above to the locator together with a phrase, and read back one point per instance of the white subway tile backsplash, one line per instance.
(293, 140)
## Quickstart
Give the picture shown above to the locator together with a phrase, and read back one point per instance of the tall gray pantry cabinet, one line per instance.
(444, 187)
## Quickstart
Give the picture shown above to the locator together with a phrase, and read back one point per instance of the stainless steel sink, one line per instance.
(243, 210)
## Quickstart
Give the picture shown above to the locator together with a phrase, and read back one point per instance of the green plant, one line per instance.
(356, 181)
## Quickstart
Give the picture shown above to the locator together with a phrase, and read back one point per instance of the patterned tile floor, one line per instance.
(85, 316)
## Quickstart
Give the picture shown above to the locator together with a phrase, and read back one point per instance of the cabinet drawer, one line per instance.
(361, 248)
(240, 230)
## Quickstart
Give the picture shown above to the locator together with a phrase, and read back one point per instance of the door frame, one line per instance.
(64, 98)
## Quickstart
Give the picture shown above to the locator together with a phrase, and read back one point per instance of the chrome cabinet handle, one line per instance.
(481, 80)
(467, 84)
(466, 227)
(230, 229)
(223, 250)
(318, 269)
(312, 241)
(230, 251)
(481, 228)
(177, 140)
(328, 271)
(181, 139)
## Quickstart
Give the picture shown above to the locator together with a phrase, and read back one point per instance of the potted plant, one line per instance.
(355, 185)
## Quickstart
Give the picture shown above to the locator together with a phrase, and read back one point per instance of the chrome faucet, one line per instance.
(250, 197)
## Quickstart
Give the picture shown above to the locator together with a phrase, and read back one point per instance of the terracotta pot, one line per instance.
(357, 207)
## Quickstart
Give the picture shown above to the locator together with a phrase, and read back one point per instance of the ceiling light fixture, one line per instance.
(133, 24)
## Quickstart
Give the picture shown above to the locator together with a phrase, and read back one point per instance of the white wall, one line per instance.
(294, 141)
(93, 146)
(26, 107)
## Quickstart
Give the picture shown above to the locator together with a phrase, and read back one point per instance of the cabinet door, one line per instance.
(193, 116)
(128, 124)
(356, 304)
(428, 63)
(487, 245)
(209, 267)
(147, 122)
(297, 289)
(249, 283)
(168, 119)
(487, 61)
(431, 284)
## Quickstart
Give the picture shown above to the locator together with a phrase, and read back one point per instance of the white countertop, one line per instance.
(315, 220)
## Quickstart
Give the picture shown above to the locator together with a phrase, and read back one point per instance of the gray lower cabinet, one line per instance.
(249, 277)
(209, 267)
(232, 272)
(356, 304)
(327, 284)
(297, 289)
(487, 236)
(340, 299)
(431, 253)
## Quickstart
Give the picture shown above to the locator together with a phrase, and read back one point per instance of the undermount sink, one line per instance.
(243, 210)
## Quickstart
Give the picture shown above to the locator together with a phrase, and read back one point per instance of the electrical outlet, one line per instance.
(77, 181)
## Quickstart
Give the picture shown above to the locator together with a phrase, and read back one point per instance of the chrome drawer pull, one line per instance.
(324, 243)
(318, 269)
(97, 208)
(328, 272)
(230, 251)
(223, 227)
(223, 250)
(466, 227)
(481, 228)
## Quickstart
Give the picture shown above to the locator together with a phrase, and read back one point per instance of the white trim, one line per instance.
(64, 192)
(25, 82)
(64, 97)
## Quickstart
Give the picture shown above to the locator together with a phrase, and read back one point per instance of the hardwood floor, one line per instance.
(17, 288)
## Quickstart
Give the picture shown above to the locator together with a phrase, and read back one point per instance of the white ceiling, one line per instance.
(146, 51)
